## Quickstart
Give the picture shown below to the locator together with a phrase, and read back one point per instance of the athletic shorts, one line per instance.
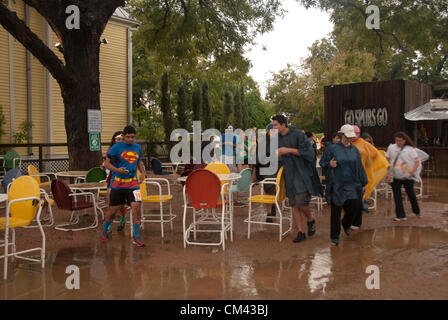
(119, 197)
(300, 200)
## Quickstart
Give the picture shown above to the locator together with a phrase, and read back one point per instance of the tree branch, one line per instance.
(18, 29)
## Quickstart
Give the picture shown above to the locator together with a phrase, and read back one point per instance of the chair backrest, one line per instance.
(218, 168)
(32, 171)
(156, 165)
(10, 176)
(243, 185)
(143, 185)
(9, 159)
(281, 182)
(61, 194)
(203, 189)
(96, 175)
(24, 187)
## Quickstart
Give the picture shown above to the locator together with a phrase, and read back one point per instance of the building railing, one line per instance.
(149, 150)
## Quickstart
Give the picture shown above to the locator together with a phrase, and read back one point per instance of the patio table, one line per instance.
(91, 186)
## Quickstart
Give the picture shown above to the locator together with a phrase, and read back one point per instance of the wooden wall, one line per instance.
(395, 97)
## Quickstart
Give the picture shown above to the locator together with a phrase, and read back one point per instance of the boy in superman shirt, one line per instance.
(123, 160)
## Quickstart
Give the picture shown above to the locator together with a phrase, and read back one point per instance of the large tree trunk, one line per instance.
(79, 76)
(81, 94)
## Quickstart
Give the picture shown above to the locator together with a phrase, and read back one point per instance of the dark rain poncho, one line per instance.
(344, 182)
(300, 172)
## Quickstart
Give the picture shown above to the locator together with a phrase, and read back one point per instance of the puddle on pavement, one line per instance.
(117, 271)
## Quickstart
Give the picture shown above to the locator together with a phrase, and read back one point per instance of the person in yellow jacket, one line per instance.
(375, 165)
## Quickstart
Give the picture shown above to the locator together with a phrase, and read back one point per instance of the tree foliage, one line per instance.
(298, 91)
(196, 41)
(412, 41)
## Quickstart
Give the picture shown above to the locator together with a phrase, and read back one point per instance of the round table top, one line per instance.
(222, 177)
(3, 197)
(71, 173)
(88, 186)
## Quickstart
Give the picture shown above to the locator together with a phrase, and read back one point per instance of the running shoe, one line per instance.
(334, 242)
(300, 237)
(347, 231)
(139, 241)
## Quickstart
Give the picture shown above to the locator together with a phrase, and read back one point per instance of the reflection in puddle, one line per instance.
(118, 271)
(320, 270)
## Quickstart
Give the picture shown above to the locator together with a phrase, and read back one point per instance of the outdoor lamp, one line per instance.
(60, 48)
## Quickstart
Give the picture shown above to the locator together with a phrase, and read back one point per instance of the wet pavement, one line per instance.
(411, 257)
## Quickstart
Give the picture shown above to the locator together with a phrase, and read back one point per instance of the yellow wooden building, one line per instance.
(34, 94)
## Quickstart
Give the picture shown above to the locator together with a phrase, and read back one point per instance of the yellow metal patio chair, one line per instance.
(278, 199)
(24, 205)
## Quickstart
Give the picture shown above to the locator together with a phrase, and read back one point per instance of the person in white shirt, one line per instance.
(406, 169)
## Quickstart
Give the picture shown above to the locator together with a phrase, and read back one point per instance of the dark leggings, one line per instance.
(351, 208)
(409, 187)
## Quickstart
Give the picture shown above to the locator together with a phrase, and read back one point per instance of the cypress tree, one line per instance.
(196, 104)
(237, 118)
(245, 112)
(181, 108)
(166, 108)
(206, 112)
(227, 111)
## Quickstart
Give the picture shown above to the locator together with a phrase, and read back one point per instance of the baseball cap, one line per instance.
(229, 128)
(270, 126)
(348, 131)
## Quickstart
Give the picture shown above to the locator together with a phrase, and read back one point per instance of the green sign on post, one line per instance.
(94, 142)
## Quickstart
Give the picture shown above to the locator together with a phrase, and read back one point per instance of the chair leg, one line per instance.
(142, 211)
(231, 217)
(13, 231)
(42, 251)
(183, 224)
(281, 220)
(161, 219)
(248, 220)
(194, 223)
(5, 267)
(171, 217)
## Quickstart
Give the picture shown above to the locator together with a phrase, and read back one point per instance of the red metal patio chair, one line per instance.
(66, 200)
(204, 189)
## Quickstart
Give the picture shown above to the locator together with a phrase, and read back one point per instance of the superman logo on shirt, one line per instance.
(129, 156)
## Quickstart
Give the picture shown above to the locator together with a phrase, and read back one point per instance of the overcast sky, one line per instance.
(288, 42)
